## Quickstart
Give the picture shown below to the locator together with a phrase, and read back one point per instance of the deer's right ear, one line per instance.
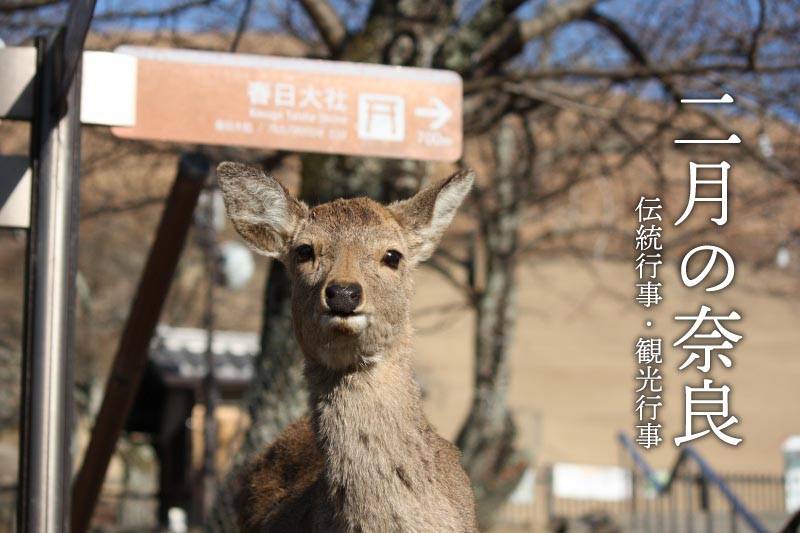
(426, 215)
(261, 209)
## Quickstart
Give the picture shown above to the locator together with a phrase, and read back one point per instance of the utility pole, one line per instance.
(208, 242)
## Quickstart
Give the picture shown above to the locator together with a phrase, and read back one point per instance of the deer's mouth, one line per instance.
(345, 323)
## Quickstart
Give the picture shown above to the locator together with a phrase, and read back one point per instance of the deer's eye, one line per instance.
(392, 259)
(304, 253)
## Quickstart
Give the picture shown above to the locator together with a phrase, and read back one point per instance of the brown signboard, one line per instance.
(296, 104)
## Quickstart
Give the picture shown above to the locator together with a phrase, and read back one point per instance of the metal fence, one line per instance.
(692, 504)
(694, 497)
(546, 509)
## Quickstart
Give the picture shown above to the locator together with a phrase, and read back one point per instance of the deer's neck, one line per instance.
(376, 442)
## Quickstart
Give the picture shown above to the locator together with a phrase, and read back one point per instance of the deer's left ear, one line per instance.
(427, 215)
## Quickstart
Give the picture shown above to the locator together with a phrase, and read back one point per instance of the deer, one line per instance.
(365, 458)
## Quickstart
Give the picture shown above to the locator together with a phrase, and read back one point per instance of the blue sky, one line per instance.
(665, 28)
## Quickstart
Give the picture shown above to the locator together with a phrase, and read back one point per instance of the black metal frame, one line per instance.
(704, 480)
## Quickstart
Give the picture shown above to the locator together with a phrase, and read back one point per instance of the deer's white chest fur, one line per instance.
(380, 465)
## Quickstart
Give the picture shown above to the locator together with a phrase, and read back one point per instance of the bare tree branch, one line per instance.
(629, 44)
(510, 39)
(627, 74)
(752, 54)
(130, 205)
(561, 100)
(168, 11)
(457, 50)
(553, 18)
(12, 7)
(327, 22)
(241, 27)
(436, 264)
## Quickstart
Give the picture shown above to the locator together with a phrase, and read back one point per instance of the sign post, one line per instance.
(42, 84)
(45, 436)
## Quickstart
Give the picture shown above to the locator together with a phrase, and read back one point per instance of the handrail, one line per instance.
(708, 473)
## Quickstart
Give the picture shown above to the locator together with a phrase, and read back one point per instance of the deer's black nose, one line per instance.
(343, 298)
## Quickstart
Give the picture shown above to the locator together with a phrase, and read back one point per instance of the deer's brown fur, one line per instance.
(365, 459)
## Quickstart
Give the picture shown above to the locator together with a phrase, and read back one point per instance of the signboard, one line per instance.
(108, 89)
(791, 456)
(107, 95)
(591, 482)
(15, 191)
(525, 491)
(18, 66)
(295, 104)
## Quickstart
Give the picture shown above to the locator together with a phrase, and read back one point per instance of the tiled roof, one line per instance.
(179, 354)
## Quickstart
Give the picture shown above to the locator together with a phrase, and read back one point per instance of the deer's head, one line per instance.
(350, 261)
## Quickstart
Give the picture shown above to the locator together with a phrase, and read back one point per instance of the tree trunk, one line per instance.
(276, 396)
(487, 439)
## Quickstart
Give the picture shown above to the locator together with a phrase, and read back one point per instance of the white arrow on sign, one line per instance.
(440, 113)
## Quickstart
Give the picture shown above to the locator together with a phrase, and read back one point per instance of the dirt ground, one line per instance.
(573, 363)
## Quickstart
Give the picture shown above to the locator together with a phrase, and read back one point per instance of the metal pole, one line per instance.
(673, 507)
(689, 504)
(634, 486)
(210, 388)
(134, 345)
(705, 501)
(45, 436)
(549, 496)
